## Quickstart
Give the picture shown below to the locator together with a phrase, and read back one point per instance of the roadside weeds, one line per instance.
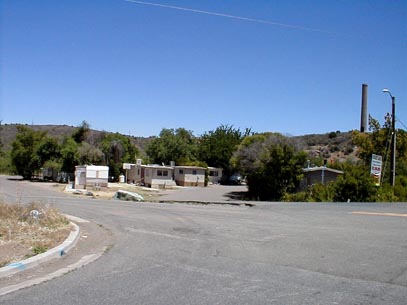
(29, 230)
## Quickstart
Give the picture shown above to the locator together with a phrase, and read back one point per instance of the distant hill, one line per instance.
(331, 146)
(8, 133)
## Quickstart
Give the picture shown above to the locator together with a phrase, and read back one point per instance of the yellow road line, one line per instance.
(379, 214)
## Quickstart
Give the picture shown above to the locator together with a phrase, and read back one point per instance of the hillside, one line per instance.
(331, 146)
(8, 133)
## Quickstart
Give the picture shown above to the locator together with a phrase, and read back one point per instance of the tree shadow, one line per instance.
(237, 195)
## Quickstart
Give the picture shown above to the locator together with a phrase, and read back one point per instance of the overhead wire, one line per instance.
(292, 26)
(398, 120)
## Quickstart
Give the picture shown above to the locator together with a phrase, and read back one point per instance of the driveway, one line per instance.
(212, 193)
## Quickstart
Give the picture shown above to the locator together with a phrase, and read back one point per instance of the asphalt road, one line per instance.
(274, 253)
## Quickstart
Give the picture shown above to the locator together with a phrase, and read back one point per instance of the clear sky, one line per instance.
(295, 67)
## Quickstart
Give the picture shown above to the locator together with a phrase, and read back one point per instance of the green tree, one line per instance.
(24, 152)
(272, 163)
(48, 149)
(355, 185)
(216, 147)
(173, 145)
(89, 154)
(5, 159)
(378, 141)
(117, 150)
(79, 135)
(69, 155)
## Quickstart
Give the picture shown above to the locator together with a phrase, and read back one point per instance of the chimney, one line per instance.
(363, 118)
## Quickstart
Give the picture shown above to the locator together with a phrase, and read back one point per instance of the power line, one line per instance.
(398, 120)
(292, 26)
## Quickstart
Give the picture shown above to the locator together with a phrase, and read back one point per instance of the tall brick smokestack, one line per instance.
(363, 117)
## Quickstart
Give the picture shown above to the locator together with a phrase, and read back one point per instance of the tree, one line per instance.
(5, 159)
(48, 149)
(355, 185)
(378, 142)
(117, 150)
(24, 152)
(89, 154)
(273, 165)
(69, 155)
(79, 135)
(216, 147)
(173, 145)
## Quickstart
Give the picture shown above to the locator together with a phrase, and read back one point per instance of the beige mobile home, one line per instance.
(157, 176)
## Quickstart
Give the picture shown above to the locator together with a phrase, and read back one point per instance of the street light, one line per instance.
(393, 146)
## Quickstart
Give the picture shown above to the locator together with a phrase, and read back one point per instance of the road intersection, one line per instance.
(272, 253)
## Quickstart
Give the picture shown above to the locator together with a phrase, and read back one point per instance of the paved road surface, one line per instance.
(217, 254)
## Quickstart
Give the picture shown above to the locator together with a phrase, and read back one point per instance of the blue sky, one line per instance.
(137, 68)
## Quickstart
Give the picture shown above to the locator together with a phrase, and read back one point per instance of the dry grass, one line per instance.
(22, 234)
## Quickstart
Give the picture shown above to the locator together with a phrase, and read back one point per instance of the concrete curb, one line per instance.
(36, 260)
(82, 262)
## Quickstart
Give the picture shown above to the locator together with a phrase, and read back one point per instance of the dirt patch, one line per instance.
(28, 230)
(147, 193)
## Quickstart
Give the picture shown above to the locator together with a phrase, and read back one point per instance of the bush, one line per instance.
(272, 164)
(322, 193)
(332, 135)
(297, 197)
(355, 185)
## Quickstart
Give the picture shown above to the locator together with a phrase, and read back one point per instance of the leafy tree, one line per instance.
(355, 185)
(117, 150)
(272, 165)
(48, 149)
(89, 154)
(5, 163)
(216, 147)
(378, 142)
(69, 155)
(79, 135)
(5, 159)
(173, 145)
(24, 152)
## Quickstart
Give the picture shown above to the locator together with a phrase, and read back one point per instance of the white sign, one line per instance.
(376, 167)
(126, 165)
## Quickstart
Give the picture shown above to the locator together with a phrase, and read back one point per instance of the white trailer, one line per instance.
(91, 177)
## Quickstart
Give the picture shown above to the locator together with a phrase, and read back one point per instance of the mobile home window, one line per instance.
(181, 171)
(159, 172)
(213, 173)
(194, 172)
(165, 173)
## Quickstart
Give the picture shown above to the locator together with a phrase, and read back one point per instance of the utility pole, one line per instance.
(393, 140)
(393, 146)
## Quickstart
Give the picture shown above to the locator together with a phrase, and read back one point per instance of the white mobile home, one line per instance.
(189, 175)
(215, 174)
(91, 177)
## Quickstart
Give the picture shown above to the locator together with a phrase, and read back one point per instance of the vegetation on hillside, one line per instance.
(271, 162)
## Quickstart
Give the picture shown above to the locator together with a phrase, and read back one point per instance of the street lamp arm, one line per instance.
(388, 91)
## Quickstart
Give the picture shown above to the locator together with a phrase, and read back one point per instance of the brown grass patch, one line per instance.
(24, 233)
